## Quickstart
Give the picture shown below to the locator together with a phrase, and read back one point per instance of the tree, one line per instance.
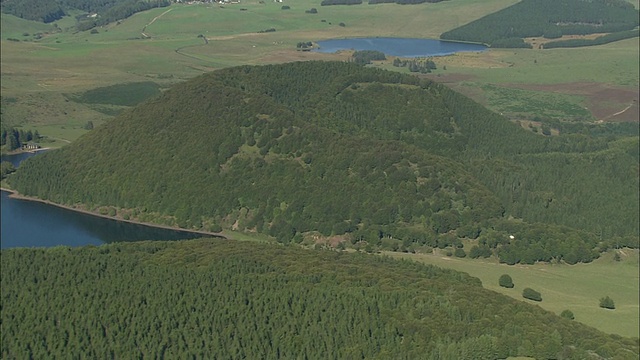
(531, 294)
(7, 168)
(567, 314)
(506, 281)
(88, 125)
(459, 252)
(607, 303)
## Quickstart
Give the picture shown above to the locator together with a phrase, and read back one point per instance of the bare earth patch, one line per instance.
(537, 41)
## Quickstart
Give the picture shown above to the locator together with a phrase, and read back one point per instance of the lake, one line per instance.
(34, 224)
(399, 46)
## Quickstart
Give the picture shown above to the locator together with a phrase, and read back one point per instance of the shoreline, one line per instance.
(13, 194)
(30, 151)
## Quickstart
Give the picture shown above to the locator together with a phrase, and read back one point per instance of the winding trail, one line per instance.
(151, 22)
(616, 114)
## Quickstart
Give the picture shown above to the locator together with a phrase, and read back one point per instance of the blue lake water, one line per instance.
(402, 47)
(33, 224)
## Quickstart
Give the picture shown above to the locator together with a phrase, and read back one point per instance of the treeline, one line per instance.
(108, 10)
(364, 57)
(14, 139)
(371, 2)
(340, 2)
(601, 40)
(325, 148)
(403, 2)
(547, 18)
(119, 10)
(224, 299)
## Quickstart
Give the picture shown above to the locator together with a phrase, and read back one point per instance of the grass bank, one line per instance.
(575, 287)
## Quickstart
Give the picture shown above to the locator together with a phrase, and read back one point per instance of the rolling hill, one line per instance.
(319, 149)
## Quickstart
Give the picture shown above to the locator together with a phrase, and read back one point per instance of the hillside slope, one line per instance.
(224, 299)
(335, 148)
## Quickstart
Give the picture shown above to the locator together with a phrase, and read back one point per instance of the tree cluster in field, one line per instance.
(529, 293)
(12, 139)
(550, 19)
(365, 57)
(381, 159)
(267, 30)
(607, 303)
(107, 10)
(226, 300)
(423, 66)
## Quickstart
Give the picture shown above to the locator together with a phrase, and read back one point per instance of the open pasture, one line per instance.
(575, 287)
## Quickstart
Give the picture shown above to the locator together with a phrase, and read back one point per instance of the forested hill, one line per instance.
(375, 157)
(51, 10)
(547, 18)
(221, 299)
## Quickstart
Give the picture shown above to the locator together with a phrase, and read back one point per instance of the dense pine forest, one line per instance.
(106, 10)
(379, 159)
(229, 300)
(550, 19)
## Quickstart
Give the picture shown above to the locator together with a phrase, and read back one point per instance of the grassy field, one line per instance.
(574, 287)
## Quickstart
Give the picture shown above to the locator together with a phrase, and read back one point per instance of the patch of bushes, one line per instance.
(506, 281)
(607, 303)
(567, 314)
(529, 293)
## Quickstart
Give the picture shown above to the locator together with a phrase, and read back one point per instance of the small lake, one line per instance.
(34, 224)
(401, 47)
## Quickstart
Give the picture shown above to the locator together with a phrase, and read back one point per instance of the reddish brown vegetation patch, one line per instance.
(605, 102)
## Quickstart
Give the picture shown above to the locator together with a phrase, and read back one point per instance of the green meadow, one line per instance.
(574, 287)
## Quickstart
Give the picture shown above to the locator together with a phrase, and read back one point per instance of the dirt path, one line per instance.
(616, 114)
(151, 22)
